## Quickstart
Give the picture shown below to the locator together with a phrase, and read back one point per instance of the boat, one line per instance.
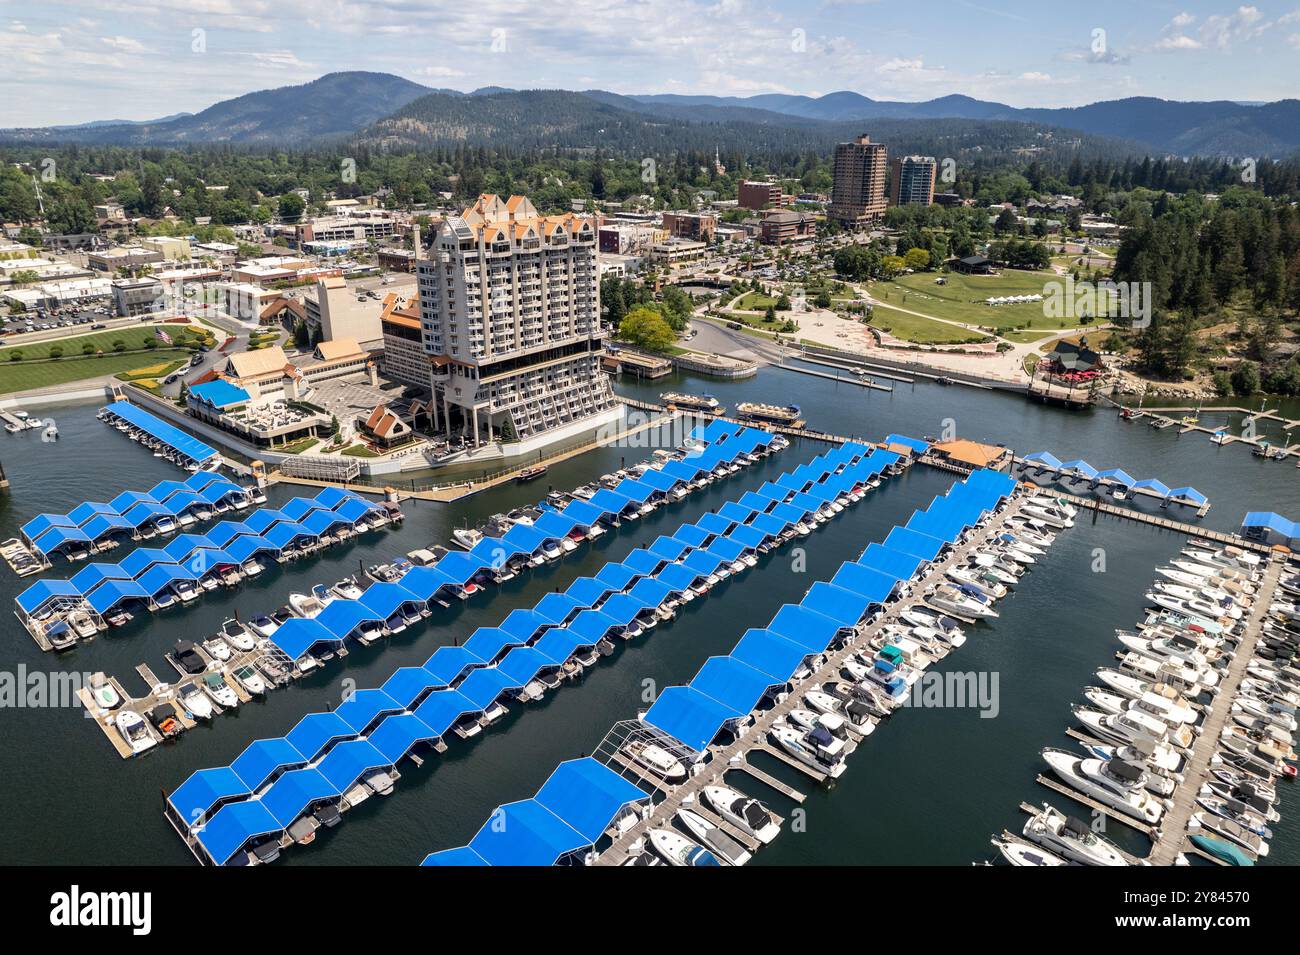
(217, 648)
(1071, 838)
(656, 759)
(745, 813)
(237, 635)
(105, 696)
(1221, 849)
(466, 537)
(135, 731)
(1116, 783)
(305, 605)
(856, 717)
(530, 474)
(787, 415)
(263, 625)
(961, 602)
(250, 680)
(725, 848)
(1022, 854)
(677, 850)
(1229, 830)
(82, 624)
(807, 749)
(677, 399)
(195, 702)
(347, 589)
(215, 685)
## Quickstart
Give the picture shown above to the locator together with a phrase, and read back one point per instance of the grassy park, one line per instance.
(961, 299)
(128, 353)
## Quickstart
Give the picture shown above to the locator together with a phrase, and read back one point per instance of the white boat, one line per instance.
(251, 567)
(1022, 854)
(250, 680)
(1071, 838)
(347, 589)
(194, 701)
(105, 696)
(857, 720)
(985, 584)
(1182, 677)
(797, 745)
(1126, 727)
(217, 688)
(677, 850)
(217, 648)
(1050, 514)
(1118, 784)
(135, 731)
(263, 625)
(656, 759)
(745, 813)
(723, 847)
(466, 537)
(962, 603)
(237, 635)
(305, 605)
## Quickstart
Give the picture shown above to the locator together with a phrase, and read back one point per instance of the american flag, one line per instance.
(164, 336)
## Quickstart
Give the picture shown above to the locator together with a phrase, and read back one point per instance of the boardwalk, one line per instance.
(1172, 834)
(734, 756)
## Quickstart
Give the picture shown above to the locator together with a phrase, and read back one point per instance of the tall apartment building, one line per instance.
(405, 359)
(754, 194)
(858, 193)
(912, 180)
(510, 313)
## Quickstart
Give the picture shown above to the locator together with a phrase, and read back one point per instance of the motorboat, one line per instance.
(1161, 781)
(1221, 849)
(237, 635)
(1116, 783)
(745, 813)
(215, 685)
(961, 601)
(305, 605)
(217, 648)
(251, 567)
(806, 749)
(1206, 821)
(250, 680)
(1071, 838)
(347, 589)
(1239, 801)
(105, 696)
(1181, 648)
(985, 583)
(263, 625)
(1023, 854)
(856, 717)
(1125, 727)
(656, 759)
(135, 731)
(1050, 514)
(466, 537)
(195, 702)
(711, 836)
(1182, 677)
(677, 850)
(1247, 707)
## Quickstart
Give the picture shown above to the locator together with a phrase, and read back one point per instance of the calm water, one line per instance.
(931, 786)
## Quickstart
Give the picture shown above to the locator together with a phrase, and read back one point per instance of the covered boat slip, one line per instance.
(190, 448)
(569, 814)
(458, 685)
(728, 690)
(133, 514)
(1044, 462)
(148, 571)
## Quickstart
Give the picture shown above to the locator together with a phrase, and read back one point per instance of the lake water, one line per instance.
(930, 786)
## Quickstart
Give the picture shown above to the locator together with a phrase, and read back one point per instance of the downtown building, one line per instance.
(510, 318)
(912, 180)
(858, 192)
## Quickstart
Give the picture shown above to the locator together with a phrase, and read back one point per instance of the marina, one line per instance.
(462, 690)
(829, 419)
(400, 594)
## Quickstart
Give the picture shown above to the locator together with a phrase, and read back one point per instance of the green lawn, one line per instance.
(923, 331)
(755, 302)
(299, 446)
(358, 451)
(961, 299)
(134, 338)
(25, 375)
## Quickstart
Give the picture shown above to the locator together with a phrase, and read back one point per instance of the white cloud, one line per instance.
(1177, 41)
(124, 43)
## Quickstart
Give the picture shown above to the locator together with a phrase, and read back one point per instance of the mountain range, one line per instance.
(380, 108)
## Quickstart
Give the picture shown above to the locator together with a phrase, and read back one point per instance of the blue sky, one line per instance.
(68, 61)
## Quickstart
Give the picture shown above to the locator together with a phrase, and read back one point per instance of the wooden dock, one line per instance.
(733, 756)
(1171, 838)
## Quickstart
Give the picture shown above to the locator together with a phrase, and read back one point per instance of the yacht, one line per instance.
(217, 688)
(1116, 783)
(1182, 677)
(347, 589)
(1125, 727)
(746, 814)
(807, 751)
(985, 583)
(250, 680)
(965, 601)
(217, 648)
(656, 759)
(856, 716)
(1022, 854)
(725, 848)
(1161, 781)
(135, 731)
(466, 537)
(1050, 514)
(677, 850)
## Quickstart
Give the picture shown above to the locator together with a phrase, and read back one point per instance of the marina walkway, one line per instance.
(1171, 837)
(734, 756)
